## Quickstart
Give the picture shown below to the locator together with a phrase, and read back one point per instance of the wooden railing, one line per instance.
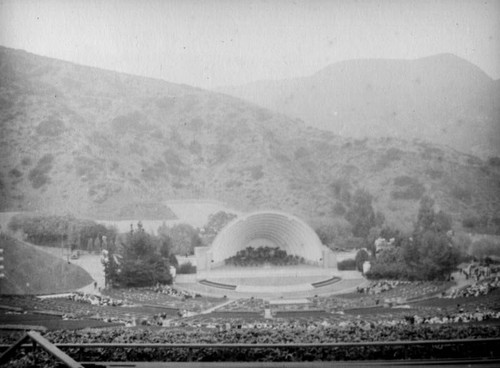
(56, 352)
(39, 340)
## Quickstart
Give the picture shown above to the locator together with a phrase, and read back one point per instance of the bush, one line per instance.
(361, 257)
(186, 268)
(131, 122)
(461, 193)
(339, 209)
(411, 188)
(391, 155)
(485, 247)
(184, 238)
(15, 173)
(434, 174)
(353, 243)
(347, 265)
(51, 230)
(494, 161)
(38, 175)
(256, 172)
(50, 128)
(389, 264)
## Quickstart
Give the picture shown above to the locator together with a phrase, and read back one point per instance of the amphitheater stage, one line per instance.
(270, 282)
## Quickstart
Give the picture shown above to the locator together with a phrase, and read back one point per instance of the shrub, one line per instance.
(131, 122)
(353, 243)
(38, 175)
(385, 160)
(50, 128)
(434, 174)
(186, 268)
(15, 173)
(389, 264)
(221, 153)
(301, 152)
(341, 190)
(494, 161)
(233, 183)
(184, 238)
(339, 209)
(461, 193)
(256, 172)
(485, 247)
(361, 257)
(411, 188)
(347, 265)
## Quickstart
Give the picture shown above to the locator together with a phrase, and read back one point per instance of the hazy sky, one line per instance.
(224, 42)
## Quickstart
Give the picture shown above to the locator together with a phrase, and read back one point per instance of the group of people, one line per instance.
(481, 287)
(460, 317)
(170, 291)
(477, 271)
(378, 287)
(96, 299)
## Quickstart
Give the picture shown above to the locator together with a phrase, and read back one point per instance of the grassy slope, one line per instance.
(31, 271)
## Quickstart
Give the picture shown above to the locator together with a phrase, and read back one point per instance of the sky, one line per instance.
(214, 43)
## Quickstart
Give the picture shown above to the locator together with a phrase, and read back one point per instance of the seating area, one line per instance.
(172, 298)
(353, 317)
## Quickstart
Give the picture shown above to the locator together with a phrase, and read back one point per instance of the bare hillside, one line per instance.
(106, 145)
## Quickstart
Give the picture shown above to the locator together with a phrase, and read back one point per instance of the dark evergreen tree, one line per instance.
(361, 214)
(142, 264)
(430, 252)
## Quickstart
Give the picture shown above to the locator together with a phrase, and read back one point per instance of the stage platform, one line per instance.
(270, 282)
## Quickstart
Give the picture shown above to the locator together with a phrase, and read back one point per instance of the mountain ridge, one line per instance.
(440, 98)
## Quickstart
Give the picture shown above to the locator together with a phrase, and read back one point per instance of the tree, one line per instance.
(431, 255)
(216, 222)
(361, 257)
(184, 238)
(430, 220)
(430, 252)
(110, 269)
(361, 214)
(389, 264)
(142, 264)
(166, 250)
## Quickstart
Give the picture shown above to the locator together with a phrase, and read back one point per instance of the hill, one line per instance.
(30, 270)
(442, 99)
(93, 142)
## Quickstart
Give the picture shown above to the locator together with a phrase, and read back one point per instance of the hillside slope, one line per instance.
(93, 142)
(30, 270)
(441, 99)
